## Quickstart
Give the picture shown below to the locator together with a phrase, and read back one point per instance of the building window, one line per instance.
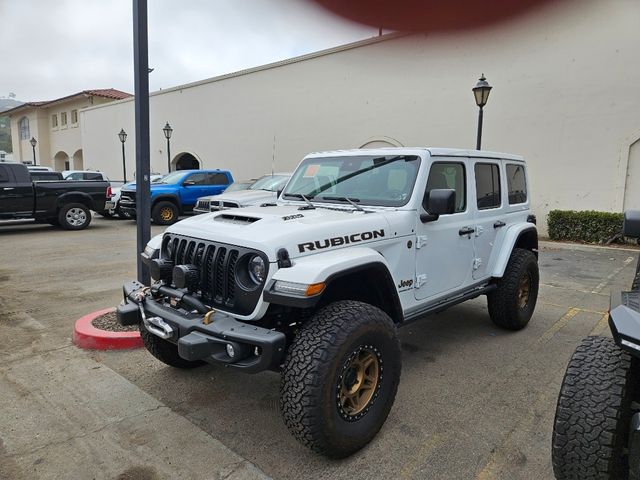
(487, 185)
(74, 117)
(23, 126)
(54, 120)
(63, 119)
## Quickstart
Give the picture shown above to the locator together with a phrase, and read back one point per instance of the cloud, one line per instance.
(57, 48)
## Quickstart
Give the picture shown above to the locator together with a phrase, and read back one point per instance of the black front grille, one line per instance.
(129, 197)
(217, 264)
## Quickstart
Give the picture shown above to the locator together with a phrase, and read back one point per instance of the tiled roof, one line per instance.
(111, 93)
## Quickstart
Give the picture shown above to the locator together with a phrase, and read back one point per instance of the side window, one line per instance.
(517, 184)
(448, 175)
(487, 185)
(4, 174)
(197, 179)
(93, 176)
(217, 179)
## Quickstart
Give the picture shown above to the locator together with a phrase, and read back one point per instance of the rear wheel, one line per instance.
(512, 304)
(165, 213)
(340, 378)
(593, 415)
(74, 216)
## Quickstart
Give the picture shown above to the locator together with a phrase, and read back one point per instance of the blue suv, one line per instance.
(176, 193)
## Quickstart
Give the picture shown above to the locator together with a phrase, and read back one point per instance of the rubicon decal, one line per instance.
(338, 241)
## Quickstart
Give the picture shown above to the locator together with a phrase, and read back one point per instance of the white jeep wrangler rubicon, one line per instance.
(360, 242)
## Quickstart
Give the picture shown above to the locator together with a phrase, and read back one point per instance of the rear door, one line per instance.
(488, 210)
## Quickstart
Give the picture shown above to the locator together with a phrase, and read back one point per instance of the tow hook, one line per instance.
(156, 325)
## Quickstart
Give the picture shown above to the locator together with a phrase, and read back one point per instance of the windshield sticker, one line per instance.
(311, 171)
(338, 241)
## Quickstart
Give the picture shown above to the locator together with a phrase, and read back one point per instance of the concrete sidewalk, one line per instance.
(65, 416)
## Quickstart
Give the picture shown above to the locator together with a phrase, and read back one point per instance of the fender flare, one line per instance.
(509, 242)
(167, 197)
(73, 197)
(329, 267)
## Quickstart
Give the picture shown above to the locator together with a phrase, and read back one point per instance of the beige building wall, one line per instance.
(565, 96)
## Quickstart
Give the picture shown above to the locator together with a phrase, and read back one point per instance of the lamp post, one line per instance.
(167, 134)
(481, 92)
(33, 143)
(123, 138)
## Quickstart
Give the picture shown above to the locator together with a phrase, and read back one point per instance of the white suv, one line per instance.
(263, 190)
(361, 242)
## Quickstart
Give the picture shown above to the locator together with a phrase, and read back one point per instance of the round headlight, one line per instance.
(257, 269)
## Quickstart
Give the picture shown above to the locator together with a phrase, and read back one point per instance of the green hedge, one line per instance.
(587, 226)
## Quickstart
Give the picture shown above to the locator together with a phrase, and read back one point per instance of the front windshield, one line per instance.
(171, 178)
(270, 183)
(367, 179)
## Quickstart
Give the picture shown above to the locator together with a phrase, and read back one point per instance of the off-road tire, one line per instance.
(165, 213)
(315, 365)
(593, 414)
(165, 351)
(71, 223)
(503, 302)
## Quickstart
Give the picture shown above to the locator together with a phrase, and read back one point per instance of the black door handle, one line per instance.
(499, 224)
(466, 231)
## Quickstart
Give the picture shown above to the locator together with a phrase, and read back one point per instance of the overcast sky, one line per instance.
(54, 48)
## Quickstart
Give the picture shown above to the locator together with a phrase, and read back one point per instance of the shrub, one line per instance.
(587, 226)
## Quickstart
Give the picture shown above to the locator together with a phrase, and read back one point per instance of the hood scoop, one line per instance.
(237, 219)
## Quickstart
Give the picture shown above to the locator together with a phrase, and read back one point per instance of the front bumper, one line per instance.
(624, 320)
(256, 348)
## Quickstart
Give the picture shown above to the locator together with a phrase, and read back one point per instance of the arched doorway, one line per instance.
(78, 163)
(61, 161)
(381, 142)
(185, 161)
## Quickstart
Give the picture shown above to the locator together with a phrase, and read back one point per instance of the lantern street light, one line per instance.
(167, 134)
(33, 143)
(123, 138)
(481, 92)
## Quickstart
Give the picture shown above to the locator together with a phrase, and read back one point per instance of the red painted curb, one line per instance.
(86, 336)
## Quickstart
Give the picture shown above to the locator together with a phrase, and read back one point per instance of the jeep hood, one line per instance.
(301, 232)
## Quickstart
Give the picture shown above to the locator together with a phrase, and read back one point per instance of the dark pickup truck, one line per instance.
(64, 203)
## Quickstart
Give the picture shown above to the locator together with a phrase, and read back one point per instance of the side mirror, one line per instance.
(631, 225)
(441, 201)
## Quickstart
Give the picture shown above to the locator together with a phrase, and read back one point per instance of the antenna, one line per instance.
(273, 156)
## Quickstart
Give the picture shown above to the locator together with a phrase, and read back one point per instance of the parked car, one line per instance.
(176, 193)
(360, 243)
(263, 190)
(596, 431)
(83, 175)
(39, 168)
(63, 203)
(114, 203)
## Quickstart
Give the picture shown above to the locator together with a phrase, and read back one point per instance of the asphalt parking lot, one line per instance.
(474, 402)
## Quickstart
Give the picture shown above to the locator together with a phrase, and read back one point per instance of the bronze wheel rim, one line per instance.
(359, 382)
(524, 291)
(166, 214)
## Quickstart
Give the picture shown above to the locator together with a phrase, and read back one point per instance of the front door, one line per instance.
(16, 195)
(444, 252)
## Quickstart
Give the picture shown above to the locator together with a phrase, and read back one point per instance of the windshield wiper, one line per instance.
(351, 200)
(301, 196)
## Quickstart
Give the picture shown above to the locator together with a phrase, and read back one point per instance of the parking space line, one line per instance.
(608, 278)
(558, 325)
(586, 310)
(572, 289)
(409, 470)
(601, 326)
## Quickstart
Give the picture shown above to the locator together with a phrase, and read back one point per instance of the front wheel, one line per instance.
(165, 213)
(74, 216)
(593, 415)
(340, 378)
